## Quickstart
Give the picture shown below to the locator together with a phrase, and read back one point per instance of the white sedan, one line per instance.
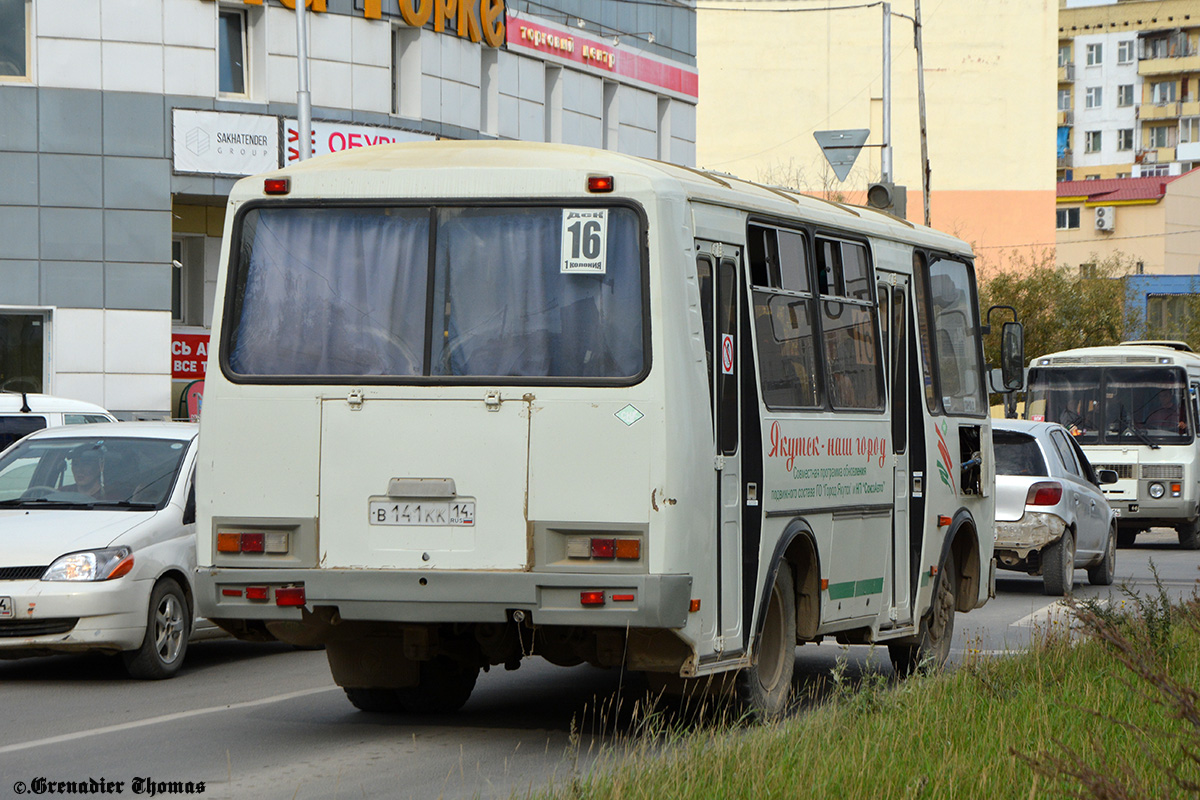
(97, 543)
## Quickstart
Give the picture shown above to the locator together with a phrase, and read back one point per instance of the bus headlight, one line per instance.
(1157, 490)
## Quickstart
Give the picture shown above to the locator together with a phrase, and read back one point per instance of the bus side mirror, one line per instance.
(1012, 357)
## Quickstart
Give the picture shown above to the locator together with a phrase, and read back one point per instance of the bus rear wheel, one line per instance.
(445, 687)
(764, 688)
(1189, 534)
(932, 649)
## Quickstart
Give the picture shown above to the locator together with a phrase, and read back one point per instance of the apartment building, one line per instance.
(1128, 88)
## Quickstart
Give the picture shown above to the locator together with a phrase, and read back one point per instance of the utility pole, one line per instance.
(885, 159)
(303, 99)
(921, 109)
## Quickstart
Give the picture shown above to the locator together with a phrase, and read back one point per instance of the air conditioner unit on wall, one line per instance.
(1105, 218)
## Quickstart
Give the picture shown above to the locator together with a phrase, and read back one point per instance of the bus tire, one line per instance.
(1189, 534)
(445, 686)
(932, 649)
(374, 701)
(764, 688)
(1102, 573)
(1058, 565)
(1126, 536)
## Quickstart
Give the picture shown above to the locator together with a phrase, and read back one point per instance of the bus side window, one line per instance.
(849, 327)
(783, 318)
(704, 275)
(922, 299)
(899, 346)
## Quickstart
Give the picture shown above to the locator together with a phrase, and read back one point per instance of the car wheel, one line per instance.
(377, 701)
(764, 688)
(933, 648)
(445, 686)
(1058, 565)
(1125, 537)
(1189, 535)
(168, 626)
(1102, 574)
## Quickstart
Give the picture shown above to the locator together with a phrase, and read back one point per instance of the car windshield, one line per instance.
(90, 472)
(1017, 454)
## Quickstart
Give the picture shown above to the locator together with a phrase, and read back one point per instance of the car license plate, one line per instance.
(453, 513)
(6, 608)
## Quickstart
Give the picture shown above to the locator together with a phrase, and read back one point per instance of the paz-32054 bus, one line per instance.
(1134, 409)
(478, 401)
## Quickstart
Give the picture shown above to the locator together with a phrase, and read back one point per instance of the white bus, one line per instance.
(478, 401)
(1133, 408)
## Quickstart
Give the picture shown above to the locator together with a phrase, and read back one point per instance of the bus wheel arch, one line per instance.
(799, 553)
(962, 545)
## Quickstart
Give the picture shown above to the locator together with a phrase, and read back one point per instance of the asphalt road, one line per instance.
(265, 721)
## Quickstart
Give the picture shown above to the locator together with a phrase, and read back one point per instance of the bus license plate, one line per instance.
(455, 513)
(6, 607)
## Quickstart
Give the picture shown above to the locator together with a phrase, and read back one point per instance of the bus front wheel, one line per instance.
(1189, 534)
(765, 687)
(932, 649)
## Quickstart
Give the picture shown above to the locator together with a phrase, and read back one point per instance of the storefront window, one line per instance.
(22, 352)
(14, 39)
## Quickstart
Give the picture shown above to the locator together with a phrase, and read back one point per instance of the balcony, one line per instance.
(1155, 155)
(1066, 160)
(1171, 65)
(1155, 111)
(1066, 118)
(1066, 73)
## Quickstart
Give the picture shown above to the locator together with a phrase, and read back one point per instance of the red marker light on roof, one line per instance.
(600, 183)
(277, 185)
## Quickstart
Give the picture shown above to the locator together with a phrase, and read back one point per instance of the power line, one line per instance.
(1056, 244)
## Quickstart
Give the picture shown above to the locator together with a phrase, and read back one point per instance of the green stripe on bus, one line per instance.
(841, 591)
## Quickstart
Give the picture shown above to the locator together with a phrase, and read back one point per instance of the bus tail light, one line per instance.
(591, 598)
(1044, 493)
(273, 542)
(258, 592)
(289, 596)
(604, 548)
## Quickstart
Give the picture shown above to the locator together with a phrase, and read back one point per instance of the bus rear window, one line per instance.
(405, 293)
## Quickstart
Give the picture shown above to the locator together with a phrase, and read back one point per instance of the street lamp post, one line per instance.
(303, 99)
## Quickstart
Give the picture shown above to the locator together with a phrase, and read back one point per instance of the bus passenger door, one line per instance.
(723, 340)
(894, 288)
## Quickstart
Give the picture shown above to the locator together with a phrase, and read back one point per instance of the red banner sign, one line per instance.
(189, 355)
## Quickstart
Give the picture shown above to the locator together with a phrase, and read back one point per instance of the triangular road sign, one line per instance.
(841, 148)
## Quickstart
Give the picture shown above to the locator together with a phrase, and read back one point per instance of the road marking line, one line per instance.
(124, 726)
(1042, 615)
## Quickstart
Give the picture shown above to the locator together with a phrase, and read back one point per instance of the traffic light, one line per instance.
(888, 197)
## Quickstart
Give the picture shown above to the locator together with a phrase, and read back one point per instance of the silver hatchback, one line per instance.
(1051, 517)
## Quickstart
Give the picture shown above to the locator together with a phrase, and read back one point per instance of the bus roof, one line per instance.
(455, 169)
(1123, 354)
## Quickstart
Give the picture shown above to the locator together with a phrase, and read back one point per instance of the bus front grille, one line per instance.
(1162, 471)
(1122, 470)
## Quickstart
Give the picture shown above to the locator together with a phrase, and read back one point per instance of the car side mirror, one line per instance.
(1106, 476)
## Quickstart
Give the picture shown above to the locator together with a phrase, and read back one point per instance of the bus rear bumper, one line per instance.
(641, 601)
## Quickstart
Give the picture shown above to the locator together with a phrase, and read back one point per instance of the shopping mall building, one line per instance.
(124, 124)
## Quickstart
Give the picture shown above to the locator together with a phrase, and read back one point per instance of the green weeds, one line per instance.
(1106, 707)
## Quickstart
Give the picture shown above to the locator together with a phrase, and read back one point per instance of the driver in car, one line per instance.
(86, 467)
(1166, 416)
